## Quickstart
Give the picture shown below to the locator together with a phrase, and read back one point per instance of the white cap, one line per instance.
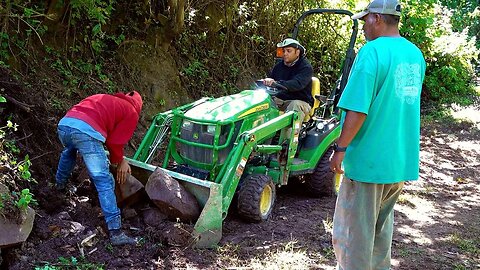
(290, 42)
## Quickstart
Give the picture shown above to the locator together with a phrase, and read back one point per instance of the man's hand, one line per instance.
(351, 126)
(336, 162)
(123, 170)
(268, 81)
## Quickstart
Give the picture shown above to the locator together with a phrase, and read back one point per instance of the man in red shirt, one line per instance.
(97, 120)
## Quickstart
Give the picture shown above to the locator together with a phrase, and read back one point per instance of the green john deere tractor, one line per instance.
(242, 145)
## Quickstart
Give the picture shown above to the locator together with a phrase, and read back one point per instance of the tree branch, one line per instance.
(21, 105)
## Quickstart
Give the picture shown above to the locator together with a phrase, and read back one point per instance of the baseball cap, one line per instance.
(290, 42)
(391, 7)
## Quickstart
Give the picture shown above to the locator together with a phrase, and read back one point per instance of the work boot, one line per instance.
(60, 186)
(65, 188)
(118, 238)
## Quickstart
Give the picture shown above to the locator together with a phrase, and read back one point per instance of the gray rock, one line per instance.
(13, 233)
(129, 192)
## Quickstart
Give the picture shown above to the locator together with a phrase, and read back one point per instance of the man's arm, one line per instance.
(352, 124)
(115, 143)
(116, 158)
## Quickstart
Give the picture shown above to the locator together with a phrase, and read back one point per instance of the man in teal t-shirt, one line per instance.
(379, 143)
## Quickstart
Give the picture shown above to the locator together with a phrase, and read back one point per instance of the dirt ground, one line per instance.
(437, 218)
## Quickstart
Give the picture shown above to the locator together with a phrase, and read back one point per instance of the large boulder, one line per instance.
(171, 197)
(14, 232)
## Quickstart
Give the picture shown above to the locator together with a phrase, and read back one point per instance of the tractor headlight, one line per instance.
(186, 124)
(211, 129)
(320, 126)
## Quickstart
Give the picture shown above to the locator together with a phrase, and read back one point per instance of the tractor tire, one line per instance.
(256, 198)
(323, 182)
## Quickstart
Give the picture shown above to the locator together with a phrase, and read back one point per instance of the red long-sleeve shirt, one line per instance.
(113, 116)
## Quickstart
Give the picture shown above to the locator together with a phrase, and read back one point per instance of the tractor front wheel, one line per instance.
(256, 198)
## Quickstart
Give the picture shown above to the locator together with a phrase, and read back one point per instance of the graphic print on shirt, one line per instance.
(408, 82)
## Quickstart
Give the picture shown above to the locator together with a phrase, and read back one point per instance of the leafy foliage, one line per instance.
(25, 199)
(465, 17)
(450, 55)
(243, 37)
(11, 200)
(226, 45)
(71, 263)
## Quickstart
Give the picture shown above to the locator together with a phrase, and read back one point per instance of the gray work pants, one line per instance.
(363, 225)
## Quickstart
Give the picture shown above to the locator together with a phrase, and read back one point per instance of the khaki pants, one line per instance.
(301, 107)
(363, 225)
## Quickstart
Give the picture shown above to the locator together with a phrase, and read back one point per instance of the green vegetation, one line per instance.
(451, 54)
(65, 50)
(71, 263)
(406, 252)
(221, 45)
(25, 199)
(465, 245)
(13, 201)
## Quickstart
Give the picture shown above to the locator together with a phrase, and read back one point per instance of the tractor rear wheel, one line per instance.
(323, 182)
(256, 198)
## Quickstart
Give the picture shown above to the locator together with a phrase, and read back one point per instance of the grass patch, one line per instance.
(459, 266)
(289, 257)
(406, 252)
(328, 253)
(404, 199)
(426, 191)
(465, 245)
(328, 224)
(434, 114)
(228, 254)
(71, 263)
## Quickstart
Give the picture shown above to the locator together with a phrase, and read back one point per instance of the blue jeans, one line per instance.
(96, 161)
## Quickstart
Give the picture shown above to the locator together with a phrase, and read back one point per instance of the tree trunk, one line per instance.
(56, 11)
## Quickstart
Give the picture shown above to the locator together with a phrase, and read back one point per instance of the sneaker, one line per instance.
(118, 238)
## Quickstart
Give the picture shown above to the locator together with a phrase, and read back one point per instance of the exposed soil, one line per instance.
(437, 218)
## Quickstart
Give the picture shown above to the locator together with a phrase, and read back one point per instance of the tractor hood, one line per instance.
(231, 107)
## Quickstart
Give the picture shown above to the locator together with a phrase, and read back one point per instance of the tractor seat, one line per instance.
(317, 98)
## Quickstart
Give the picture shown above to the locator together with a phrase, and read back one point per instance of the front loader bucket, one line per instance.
(208, 228)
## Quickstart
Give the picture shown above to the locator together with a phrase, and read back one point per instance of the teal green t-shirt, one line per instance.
(385, 83)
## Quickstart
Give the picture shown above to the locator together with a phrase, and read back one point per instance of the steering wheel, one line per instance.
(271, 90)
(279, 86)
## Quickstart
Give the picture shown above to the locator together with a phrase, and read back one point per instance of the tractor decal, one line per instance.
(255, 109)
